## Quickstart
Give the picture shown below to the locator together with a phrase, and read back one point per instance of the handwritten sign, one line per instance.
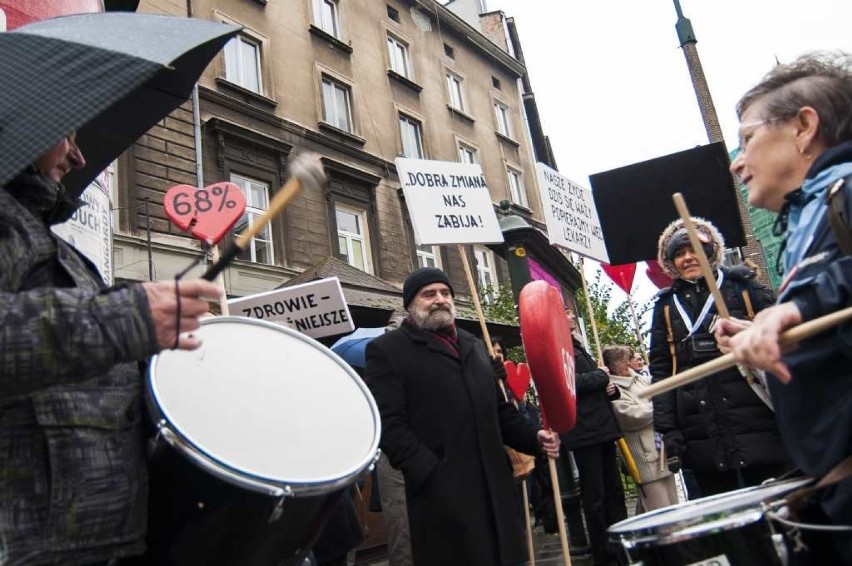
(449, 202)
(317, 308)
(89, 230)
(570, 214)
(207, 213)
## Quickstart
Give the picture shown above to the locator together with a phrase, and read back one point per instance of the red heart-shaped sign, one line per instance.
(206, 213)
(519, 382)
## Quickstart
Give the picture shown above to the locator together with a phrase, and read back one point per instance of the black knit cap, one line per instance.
(420, 278)
(680, 239)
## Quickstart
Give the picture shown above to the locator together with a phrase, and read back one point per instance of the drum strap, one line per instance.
(670, 338)
(842, 471)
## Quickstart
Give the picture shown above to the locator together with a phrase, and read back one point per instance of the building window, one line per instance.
(486, 272)
(429, 256)
(259, 249)
(326, 16)
(412, 137)
(454, 88)
(516, 188)
(336, 104)
(398, 57)
(352, 237)
(242, 63)
(393, 14)
(467, 154)
(449, 51)
(503, 123)
(495, 82)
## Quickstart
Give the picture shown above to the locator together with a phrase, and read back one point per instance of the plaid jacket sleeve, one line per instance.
(51, 335)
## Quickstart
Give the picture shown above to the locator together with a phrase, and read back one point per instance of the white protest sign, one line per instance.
(89, 229)
(449, 202)
(317, 308)
(570, 214)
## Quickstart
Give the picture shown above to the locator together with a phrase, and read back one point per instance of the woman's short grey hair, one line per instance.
(820, 80)
(612, 354)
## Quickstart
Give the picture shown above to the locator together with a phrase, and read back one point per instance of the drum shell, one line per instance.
(209, 509)
(732, 528)
(198, 518)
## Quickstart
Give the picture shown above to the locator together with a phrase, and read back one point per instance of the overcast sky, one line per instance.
(612, 84)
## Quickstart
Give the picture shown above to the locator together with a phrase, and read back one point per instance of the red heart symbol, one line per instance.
(206, 213)
(520, 381)
(511, 370)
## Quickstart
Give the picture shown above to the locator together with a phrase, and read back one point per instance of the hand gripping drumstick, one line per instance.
(795, 334)
(305, 172)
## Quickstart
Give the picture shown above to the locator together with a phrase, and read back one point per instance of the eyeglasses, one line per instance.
(747, 130)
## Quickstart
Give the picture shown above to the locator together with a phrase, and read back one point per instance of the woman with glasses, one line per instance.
(796, 160)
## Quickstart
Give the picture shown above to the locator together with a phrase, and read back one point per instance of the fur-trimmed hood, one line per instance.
(675, 228)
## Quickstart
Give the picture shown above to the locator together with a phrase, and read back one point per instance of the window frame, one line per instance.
(318, 17)
(435, 255)
(252, 212)
(516, 173)
(240, 39)
(418, 128)
(346, 89)
(455, 90)
(407, 64)
(489, 269)
(363, 216)
(503, 119)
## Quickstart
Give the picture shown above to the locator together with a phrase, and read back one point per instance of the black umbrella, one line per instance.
(110, 76)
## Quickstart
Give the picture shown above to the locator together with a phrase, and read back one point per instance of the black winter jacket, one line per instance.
(717, 423)
(596, 423)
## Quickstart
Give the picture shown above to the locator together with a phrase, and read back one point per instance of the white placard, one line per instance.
(89, 229)
(570, 214)
(317, 308)
(449, 202)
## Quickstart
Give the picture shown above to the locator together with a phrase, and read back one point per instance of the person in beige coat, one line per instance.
(636, 417)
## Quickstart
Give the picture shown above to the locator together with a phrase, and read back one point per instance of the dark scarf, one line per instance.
(447, 336)
(45, 199)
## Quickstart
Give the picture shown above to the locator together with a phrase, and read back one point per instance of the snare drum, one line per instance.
(258, 433)
(726, 529)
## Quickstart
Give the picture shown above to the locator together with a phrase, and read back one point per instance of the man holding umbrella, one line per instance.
(73, 481)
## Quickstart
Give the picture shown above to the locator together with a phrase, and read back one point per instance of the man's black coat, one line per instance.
(444, 425)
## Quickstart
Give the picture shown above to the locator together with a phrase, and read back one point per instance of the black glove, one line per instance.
(499, 368)
(673, 463)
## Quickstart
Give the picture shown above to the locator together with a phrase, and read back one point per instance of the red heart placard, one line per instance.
(520, 381)
(206, 213)
(622, 274)
(550, 353)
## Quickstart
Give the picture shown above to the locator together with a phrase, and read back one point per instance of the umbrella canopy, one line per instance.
(110, 76)
(353, 347)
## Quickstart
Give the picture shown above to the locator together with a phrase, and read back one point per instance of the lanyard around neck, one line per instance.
(720, 278)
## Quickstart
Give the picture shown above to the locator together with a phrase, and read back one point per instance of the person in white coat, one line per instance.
(636, 417)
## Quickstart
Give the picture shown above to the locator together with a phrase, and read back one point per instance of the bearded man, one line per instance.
(444, 424)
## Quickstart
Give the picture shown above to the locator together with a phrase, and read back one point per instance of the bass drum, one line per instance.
(258, 433)
(729, 529)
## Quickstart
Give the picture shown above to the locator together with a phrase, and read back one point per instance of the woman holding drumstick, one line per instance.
(796, 159)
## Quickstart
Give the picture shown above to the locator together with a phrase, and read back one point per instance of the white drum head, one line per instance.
(265, 401)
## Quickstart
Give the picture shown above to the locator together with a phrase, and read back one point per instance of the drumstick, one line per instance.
(698, 251)
(306, 171)
(795, 334)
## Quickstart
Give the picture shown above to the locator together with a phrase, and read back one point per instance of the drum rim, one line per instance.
(247, 478)
(675, 532)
